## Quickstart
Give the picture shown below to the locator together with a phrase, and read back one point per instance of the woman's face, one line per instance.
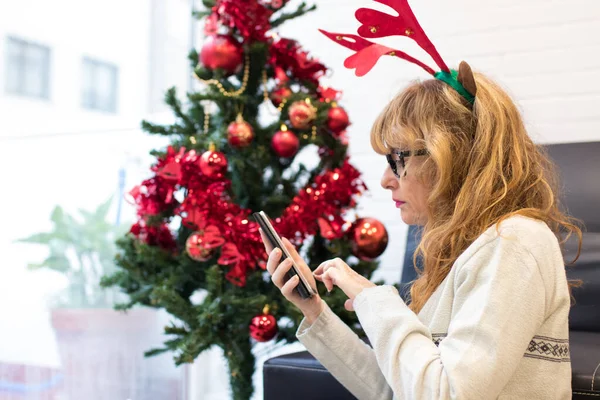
(409, 194)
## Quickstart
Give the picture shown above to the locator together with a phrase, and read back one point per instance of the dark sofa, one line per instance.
(579, 165)
(300, 376)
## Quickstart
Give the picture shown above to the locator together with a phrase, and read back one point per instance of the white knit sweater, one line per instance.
(496, 327)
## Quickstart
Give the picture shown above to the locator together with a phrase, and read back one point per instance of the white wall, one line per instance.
(546, 52)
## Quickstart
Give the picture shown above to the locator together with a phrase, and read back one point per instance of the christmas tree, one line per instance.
(195, 250)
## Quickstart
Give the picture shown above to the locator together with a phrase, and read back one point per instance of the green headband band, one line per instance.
(452, 80)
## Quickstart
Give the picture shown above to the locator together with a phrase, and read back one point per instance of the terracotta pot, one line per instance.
(101, 353)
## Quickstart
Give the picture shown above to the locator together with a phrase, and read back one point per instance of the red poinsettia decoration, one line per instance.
(250, 18)
(288, 54)
(154, 235)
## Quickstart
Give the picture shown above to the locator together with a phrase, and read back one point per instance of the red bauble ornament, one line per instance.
(240, 133)
(263, 327)
(302, 114)
(337, 119)
(221, 51)
(213, 163)
(197, 247)
(285, 143)
(280, 94)
(369, 238)
(201, 244)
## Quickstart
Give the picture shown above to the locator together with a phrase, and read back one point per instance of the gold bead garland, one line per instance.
(220, 86)
(264, 81)
(206, 121)
(266, 92)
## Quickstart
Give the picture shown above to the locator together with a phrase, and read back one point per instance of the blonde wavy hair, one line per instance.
(482, 168)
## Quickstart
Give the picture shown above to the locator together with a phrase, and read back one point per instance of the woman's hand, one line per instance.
(311, 307)
(337, 272)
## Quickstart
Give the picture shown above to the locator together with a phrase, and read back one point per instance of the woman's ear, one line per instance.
(466, 78)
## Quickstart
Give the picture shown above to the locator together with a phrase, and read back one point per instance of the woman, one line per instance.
(488, 314)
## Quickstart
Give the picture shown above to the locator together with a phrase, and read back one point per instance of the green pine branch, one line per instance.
(209, 3)
(201, 14)
(173, 102)
(301, 10)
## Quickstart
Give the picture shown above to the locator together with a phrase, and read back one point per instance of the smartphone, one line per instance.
(303, 288)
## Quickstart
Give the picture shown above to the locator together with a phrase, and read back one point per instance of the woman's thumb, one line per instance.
(348, 305)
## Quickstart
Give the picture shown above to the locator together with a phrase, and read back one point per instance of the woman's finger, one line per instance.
(330, 278)
(293, 252)
(319, 269)
(273, 260)
(304, 269)
(282, 269)
(328, 266)
(324, 266)
(289, 286)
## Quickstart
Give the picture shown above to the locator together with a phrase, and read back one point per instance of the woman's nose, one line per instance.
(389, 180)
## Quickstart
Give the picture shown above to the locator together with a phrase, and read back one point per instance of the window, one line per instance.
(99, 90)
(27, 68)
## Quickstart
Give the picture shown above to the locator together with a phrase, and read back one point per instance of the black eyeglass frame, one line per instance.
(402, 155)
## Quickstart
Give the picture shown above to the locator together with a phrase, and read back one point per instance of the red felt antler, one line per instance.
(368, 53)
(377, 24)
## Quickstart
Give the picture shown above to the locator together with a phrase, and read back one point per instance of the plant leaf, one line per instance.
(38, 238)
(102, 210)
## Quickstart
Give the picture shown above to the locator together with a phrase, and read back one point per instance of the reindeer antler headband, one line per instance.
(376, 24)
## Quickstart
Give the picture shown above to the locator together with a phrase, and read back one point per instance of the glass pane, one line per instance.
(36, 71)
(87, 85)
(99, 85)
(14, 64)
(27, 68)
(106, 87)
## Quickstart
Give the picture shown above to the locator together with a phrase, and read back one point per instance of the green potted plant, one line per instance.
(91, 335)
(83, 250)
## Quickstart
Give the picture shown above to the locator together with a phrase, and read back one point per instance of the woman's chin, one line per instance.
(406, 218)
(409, 218)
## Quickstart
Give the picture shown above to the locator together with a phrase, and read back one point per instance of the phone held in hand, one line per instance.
(303, 288)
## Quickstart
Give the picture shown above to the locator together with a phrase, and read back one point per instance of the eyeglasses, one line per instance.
(396, 158)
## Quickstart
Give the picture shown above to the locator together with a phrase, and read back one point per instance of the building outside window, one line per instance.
(27, 68)
(99, 86)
